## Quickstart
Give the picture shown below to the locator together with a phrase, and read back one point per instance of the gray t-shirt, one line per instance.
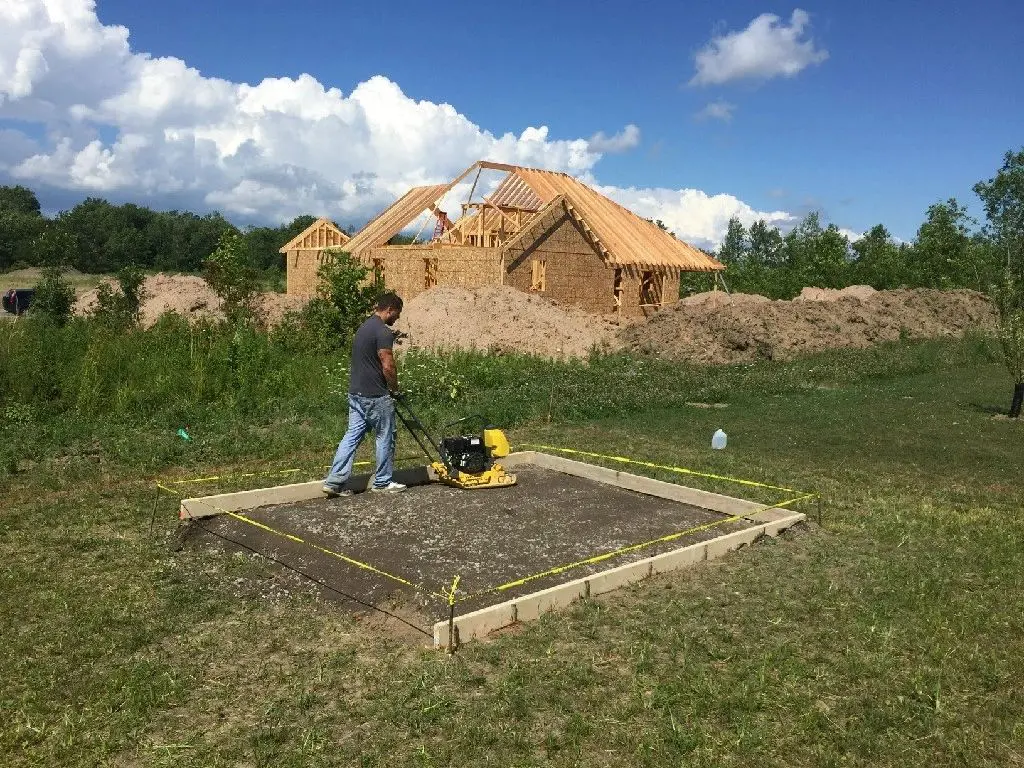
(367, 375)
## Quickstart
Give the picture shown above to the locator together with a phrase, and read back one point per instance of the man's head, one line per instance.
(389, 307)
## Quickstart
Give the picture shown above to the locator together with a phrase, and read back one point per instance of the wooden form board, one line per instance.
(768, 522)
(480, 623)
(240, 501)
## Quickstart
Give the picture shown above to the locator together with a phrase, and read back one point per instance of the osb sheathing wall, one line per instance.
(302, 266)
(574, 274)
(405, 267)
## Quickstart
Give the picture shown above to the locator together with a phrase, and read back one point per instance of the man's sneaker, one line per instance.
(332, 493)
(391, 487)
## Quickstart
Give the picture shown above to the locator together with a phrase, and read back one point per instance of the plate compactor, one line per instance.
(463, 461)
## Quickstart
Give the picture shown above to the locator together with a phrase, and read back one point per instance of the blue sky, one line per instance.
(901, 104)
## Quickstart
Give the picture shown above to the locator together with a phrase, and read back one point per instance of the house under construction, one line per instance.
(538, 231)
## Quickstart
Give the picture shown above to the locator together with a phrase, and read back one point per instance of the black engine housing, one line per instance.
(467, 453)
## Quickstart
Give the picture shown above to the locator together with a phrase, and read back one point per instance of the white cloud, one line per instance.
(717, 110)
(767, 48)
(120, 123)
(691, 214)
(628, 138)
(850, 235)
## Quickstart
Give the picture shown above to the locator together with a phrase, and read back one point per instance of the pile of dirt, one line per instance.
(713, 327)
(502, 319)
(274, 306)
(861, 292)
(716, 328)
(191, 297)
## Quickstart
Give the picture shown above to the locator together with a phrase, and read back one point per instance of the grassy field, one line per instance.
(30, 276)
(891, 635)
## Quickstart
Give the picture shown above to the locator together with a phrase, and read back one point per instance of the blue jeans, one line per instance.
(365, 414)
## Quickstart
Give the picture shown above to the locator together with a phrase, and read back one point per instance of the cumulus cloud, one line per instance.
(691, 214)
(107, 120)
(626, 139)
(717, 110)
(767, 48)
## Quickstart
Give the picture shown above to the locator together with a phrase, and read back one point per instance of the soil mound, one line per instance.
(713, 327)
(721, 331)
(502, 319)
(861, 292)
(191, 296)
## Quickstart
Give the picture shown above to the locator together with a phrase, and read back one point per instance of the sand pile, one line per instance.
(728, 329)
(190, 296)
(501, 319)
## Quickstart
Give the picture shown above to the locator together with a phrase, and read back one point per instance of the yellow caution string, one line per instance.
(270, 473)
(332, 553)
(214, 478)
(317, 547)
(651, 465)
(631, 548)
(171, 491)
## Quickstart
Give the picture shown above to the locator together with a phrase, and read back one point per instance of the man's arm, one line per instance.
(387, 363)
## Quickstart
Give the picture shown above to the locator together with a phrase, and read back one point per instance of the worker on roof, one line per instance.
(373, 385)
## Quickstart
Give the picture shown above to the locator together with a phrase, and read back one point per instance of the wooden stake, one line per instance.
(152, 517)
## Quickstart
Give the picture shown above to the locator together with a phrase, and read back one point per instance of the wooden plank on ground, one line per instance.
(239, 501)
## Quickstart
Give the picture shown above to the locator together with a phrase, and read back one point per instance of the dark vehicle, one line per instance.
(17, 300)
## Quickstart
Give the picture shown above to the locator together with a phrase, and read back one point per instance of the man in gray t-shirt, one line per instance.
(373, 380)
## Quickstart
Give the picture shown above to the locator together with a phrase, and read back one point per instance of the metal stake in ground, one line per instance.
(452, 641)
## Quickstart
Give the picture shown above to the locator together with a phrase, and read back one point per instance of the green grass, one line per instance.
(29, 277)
(892, 635)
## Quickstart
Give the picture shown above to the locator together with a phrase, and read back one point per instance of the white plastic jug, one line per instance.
(718, 440)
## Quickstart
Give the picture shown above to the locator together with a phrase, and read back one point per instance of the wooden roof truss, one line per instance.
(622, 238)
(319, 235)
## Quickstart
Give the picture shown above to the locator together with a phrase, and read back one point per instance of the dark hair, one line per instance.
(389, 300)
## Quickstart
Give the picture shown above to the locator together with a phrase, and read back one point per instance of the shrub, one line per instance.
(230, 273)
(1009, 300)
(344, 299)
(121, 308)
(54, 297)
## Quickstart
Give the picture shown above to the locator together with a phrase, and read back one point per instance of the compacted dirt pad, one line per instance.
(431, 533)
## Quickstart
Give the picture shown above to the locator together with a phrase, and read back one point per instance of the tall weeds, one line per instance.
(85, 381)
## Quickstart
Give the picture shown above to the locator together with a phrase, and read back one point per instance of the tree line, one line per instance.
(97, 236)
(948, 251)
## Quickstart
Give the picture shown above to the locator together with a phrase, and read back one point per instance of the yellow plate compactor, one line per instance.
(463, 461)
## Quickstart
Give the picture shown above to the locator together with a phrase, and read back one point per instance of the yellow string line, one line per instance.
(213, 478)
(332, 553)
(450, 597)
(325, 550)
(650, 465)
(171, 491)
(631, 548)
